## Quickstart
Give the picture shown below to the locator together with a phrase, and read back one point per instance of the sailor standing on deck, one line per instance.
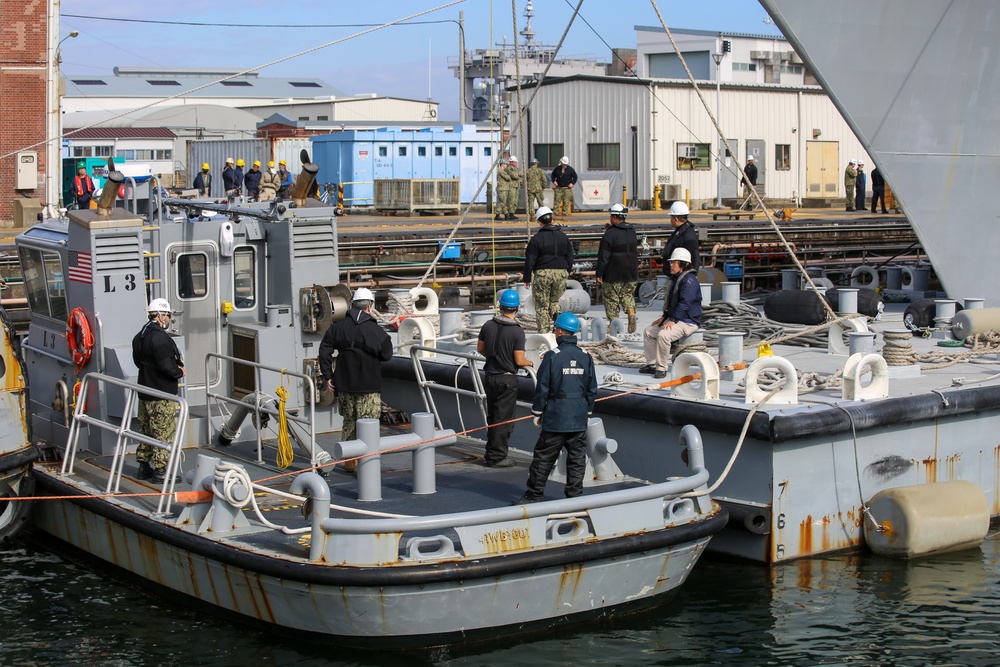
(270, 183)
(536, 182)
(286, 178)
(83, 187)
(564, 400)
(850, 183)
(160, 366)
(203, 181)
(684, 236)
(618, 266)
(361, 345)
(229, 181)
(547, 262)
(501, 341)
(252, 181)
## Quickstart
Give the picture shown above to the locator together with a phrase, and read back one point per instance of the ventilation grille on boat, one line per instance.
(117, 253)
(313, 240)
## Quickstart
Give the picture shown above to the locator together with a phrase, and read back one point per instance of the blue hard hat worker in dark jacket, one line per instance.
(564, 399)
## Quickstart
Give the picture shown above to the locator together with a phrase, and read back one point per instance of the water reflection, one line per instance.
(856, 609)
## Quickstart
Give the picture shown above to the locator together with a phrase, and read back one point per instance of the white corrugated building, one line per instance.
(657, 131)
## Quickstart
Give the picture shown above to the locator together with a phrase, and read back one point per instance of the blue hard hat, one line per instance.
(509, 299)
(568, 322)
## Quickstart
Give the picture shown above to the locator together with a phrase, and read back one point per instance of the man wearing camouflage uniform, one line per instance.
(514, 180)
(161, 368)
(536, 186)
(547, 261)
(502, 185)
(618, 267)
(850, 183)
(361, 345)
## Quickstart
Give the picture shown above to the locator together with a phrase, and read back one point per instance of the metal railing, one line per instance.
(125, 434)
(260, 405)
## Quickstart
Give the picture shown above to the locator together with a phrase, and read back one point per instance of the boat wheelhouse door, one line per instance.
(193, 291)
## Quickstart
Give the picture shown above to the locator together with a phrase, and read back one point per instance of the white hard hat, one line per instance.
(229, 160)
(159, 306)
(679, 208)
(363, 294)
(513, 158)
(542, 211)
(680, 254)
(750, 158)
(564, 160)
(618, 210)
(853, 162)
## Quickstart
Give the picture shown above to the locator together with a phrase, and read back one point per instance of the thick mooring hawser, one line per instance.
(421, 546)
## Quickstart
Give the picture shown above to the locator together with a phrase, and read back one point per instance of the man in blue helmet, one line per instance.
(564, 399)
(501, 341)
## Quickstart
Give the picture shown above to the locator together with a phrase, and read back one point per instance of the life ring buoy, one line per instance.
(79, 338)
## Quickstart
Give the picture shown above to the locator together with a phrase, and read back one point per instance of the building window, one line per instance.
(244, 277)
(322, 118)
(548, 155)
(304, 84)
(192, 275)
(422, 151)
(92, 151)
(402, 151)
(439, 151)
(744, 67)
(88, 82)
(236, 83)
(468, 151)
(164, 154)
(163, 82)
(791, 69)
(783, 157)
(693, 157)
(303, 117)
(487, 151)
(604, 156)
(383, 151)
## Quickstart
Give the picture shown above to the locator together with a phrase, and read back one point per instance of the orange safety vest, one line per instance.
(80, 183)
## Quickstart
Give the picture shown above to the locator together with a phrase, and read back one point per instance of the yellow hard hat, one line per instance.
(280, 162)
(204, 166)
(271, 163)
(256, 163)
(240, 163)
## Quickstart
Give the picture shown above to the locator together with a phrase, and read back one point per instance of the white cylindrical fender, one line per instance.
(432, 300)
(416, 331)
(787, 395)
(978, 320)
(928, 519)
(867, 271)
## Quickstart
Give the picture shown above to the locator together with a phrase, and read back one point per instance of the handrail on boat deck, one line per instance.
(470, 361)
(125, 433)
(310, 391)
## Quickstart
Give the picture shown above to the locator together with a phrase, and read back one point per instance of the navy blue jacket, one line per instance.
(683, 299)
(567, 388)
(685, 236)
(252, 181)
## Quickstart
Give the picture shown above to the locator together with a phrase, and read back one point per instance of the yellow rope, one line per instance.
(285, 455)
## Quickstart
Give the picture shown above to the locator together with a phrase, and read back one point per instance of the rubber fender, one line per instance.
(976, 321)
(928, 519)
(795, 307)
(868, 300)
(920, 314)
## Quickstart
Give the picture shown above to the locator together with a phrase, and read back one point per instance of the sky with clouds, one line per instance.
(399, 60)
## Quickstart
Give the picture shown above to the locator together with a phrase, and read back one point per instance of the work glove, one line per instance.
(537, 421)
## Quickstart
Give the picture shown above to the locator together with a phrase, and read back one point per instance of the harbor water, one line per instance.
(856, 609)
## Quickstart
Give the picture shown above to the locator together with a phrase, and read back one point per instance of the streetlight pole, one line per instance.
(717, 57)
(53, 133)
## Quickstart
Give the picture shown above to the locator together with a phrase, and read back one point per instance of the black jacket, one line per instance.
(567, 388)
(877, 180)
(159, 361)
(229, 181)
(252, 181)
(751, 174)
(361, 345)
(563, 176)
(549, 248)
(618, 254)
(685, 236)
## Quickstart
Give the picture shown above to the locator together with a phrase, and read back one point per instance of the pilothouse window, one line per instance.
(244, 278)
(43, 282)
(192, 275)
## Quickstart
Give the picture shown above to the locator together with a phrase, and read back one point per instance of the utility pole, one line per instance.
(724, 47)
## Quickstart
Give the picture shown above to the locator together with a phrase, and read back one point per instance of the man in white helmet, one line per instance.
(563, 179)
(361, 345)
(547, 261)
(618, 266)
(160, 366)
(750, 178)
(684, 236)
(681, 315)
